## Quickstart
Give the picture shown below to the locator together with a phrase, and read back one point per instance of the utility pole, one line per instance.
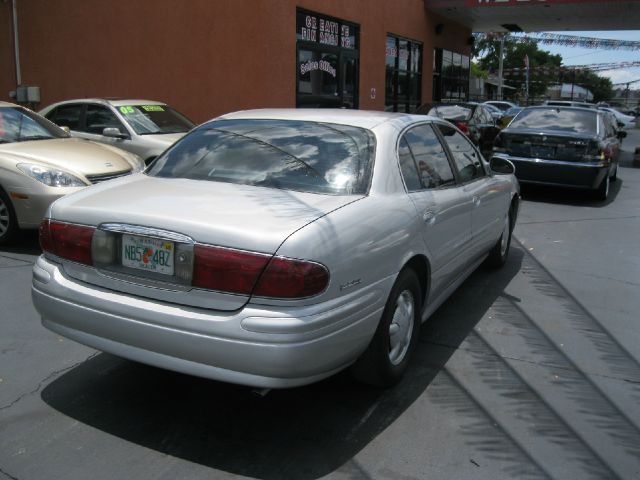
(500, 67)
(573, 82)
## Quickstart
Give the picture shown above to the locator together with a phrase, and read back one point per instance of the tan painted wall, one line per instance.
(205, 57)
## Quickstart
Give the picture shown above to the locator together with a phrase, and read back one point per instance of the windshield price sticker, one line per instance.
(153, 108)
(127, 110)
(150, 254)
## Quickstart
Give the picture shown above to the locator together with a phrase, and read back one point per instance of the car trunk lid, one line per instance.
(238, 217)
(546, 146)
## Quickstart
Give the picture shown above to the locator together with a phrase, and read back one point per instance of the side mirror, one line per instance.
(502, 166)
(66, 129)
(621, 134)
(113, 132)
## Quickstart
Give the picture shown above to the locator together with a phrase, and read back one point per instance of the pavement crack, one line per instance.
(3, 472)
(42, 382)
(580, 220)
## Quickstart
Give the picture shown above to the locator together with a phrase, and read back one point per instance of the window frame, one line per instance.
(486, 171)
(456, 177)
(124, 129)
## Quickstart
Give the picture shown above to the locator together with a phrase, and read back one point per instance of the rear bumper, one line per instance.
(560, 173)
(265, 347)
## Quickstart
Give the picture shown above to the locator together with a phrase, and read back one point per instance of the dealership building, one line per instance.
(208, 57)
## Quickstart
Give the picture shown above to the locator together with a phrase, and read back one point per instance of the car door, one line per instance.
(68, 115)
(442, 206)
(97, 118)
(489, 196)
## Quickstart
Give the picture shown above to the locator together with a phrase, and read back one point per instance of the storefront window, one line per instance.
(404, 74)
(328, 67)
(450, 75)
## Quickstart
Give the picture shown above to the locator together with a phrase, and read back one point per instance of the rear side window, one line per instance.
(286, 154)
(430, 159)
(66, 116)
(465, 156)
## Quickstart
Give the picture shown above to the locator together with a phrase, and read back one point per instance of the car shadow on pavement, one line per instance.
(25, 242)
(569, 196)
(306, 432)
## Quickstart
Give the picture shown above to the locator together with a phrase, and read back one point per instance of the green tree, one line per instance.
(601, 87)
(487, 51)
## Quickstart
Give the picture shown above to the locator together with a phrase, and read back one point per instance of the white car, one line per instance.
(503, 105)
(628, 122)
(144, 127)
(274, 248)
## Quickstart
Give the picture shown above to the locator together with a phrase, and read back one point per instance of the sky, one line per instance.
(581, 56)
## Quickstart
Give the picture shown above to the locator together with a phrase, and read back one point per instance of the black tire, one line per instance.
(500, 251)
(602, 192)
(614, 177)
(8, 219)
(381, 365)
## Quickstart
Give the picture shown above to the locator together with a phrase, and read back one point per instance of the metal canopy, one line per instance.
(539, 15)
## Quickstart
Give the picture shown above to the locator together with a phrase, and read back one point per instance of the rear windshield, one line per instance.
(155, 119)
(452, 112)
(286, 154)
(560, 119)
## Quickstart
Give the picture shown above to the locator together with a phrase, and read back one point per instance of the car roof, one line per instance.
(8, 104)
(116, 102)
(368, 119)
(565, 107)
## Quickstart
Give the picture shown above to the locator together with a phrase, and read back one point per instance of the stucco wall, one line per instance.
(205, 57)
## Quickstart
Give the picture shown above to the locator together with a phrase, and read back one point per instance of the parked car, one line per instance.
(508, 116)
(568, 103)
(503, 105)
(563, 146)
(40, 163)
(472, 118)
(274, 248)
(627, 122)
(495, 112)
(144, 127)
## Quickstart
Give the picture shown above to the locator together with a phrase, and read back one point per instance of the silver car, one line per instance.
(274, 248)
(40, 163)
(144, 127)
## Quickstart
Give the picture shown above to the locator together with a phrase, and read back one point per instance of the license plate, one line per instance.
(542, 152)
(150, 254)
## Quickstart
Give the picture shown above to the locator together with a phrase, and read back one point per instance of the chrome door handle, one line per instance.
(429, 216)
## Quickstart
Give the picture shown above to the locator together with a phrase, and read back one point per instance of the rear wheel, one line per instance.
(498, 254)
(603, 190)
(385, 360)
(8, 220)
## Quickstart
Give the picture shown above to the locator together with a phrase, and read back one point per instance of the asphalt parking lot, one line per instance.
(532, 371)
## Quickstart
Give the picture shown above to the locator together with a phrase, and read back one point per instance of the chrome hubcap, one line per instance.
(401, 327)
(4, 218)
(504, 243)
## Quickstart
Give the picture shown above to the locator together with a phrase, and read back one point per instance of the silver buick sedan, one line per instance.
(274, 248)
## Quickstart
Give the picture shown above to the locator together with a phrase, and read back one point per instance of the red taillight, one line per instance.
(71, 242)
(226, 270)
(464, 128)
(289, 278)
(237, 271)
